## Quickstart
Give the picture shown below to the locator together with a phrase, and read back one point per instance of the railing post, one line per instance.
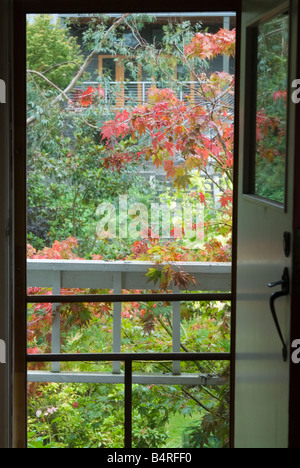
(55, 339)
(117, 321)
(226, 63)
(144, 92)
(106, 95)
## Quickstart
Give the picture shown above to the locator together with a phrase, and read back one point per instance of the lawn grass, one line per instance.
(177, 424)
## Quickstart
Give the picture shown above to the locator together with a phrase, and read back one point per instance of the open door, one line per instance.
(22, 280)
(265, 224)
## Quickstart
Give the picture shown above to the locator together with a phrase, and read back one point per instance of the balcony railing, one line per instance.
(133, 93)
(136, 92)
(119, 276)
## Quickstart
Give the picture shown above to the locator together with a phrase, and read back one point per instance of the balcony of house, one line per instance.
(123, 279)
(120, 94)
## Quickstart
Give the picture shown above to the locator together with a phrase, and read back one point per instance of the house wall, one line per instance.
(153, 32)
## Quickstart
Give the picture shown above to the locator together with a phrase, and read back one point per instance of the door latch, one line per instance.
(285, 290)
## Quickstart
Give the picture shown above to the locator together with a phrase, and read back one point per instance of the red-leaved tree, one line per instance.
(183, 135)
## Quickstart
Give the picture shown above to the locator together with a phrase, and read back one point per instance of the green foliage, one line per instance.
(212, 431)
(87, 415)
(67, 181)
(271, 106)
(52, 52)
(92, 416)
(68, 177)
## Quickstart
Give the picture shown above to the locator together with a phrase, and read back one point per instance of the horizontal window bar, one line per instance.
(156, 378)
(128, 357)
(82, 298)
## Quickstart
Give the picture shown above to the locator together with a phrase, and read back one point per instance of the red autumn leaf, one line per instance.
(202, 197)
(279, 95)
(226, 199)
(170, 168)
(186, 129)
(89, 95)
(108, 130)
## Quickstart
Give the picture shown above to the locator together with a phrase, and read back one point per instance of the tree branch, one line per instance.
(60, 65)
(50, 83)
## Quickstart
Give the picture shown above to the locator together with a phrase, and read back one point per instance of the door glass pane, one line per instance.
(271, 108)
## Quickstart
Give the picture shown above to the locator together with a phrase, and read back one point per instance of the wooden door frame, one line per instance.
(294, 407)
(6, 251)
(21, 8)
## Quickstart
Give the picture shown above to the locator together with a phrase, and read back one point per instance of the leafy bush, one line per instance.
(52, 52)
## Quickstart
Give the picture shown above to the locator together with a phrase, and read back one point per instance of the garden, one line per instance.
(117, 175)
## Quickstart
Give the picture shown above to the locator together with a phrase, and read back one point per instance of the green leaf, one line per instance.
(153, 275)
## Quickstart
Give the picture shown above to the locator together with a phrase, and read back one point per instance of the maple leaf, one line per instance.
(122, 116)
(229, 159)
(182, 181)
(89, 95)
(170, 168)
(182, 279)
(86, 98)
(154, 275)
(226, 199)
(169, 145)
(108, 130)
(122, 129)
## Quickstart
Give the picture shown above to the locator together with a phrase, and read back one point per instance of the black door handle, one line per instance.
(285, 290)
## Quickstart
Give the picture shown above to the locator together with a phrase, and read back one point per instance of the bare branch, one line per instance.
(63, 94)
(61, 65)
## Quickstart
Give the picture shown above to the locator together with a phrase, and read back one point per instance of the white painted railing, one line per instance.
(118, 276)
(122, 93)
